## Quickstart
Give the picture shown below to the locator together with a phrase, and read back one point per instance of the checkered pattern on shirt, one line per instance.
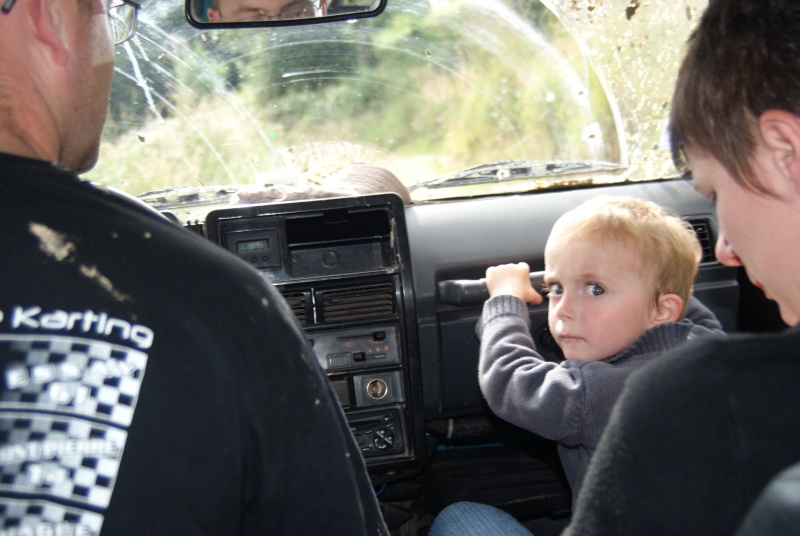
(107, 390)
(25, 517)
(65, 408)
(60, 457)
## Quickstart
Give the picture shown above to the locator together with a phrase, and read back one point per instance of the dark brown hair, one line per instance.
(743, 59)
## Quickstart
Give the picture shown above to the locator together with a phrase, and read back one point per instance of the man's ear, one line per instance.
(668, 309)
(213, 15)
(50, 21)
(780, 134)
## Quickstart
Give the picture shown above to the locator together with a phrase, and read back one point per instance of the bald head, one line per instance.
(55, 80)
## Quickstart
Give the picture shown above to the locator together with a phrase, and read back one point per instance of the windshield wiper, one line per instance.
(188, 196)
(509, 170)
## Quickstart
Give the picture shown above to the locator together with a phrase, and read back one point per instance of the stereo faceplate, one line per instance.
(343, 266)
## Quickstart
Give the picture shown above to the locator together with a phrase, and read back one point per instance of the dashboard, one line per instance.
(389, 295)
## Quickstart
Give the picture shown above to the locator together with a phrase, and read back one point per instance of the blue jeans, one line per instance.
(474, 519)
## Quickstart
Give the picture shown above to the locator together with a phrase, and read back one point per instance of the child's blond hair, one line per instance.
(666, 245)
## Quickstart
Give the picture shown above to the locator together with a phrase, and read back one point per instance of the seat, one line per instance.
(777, 510)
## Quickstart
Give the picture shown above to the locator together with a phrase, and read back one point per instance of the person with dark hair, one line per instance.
(695, 438)
(697, 435)
(152, 383)
(264, 10)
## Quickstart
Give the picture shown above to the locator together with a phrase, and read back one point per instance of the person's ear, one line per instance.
(51, 20)
(213, 15)
(668, 309)
(780, 134)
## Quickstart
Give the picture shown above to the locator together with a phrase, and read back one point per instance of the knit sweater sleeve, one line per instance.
(518, 384)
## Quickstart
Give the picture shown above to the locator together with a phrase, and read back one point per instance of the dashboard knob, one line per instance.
(383, 439)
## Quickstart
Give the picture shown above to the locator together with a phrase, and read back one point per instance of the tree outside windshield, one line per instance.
(429, 88)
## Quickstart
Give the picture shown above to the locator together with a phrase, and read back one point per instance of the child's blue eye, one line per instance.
(594, 289)
(554, 290)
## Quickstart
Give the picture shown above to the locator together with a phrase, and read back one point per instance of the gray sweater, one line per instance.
(569, 402)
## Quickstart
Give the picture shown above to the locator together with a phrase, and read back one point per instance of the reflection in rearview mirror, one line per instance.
(219, 13)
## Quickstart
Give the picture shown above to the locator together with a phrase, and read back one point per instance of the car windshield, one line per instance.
(458, 98)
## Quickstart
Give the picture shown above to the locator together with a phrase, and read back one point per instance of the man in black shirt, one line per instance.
(151, 382)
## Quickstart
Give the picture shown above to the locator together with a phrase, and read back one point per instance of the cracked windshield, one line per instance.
(454, 98)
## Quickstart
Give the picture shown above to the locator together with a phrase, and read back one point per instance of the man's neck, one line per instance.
(22, 150)
(27, 130)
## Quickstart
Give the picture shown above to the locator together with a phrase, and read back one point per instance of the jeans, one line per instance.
(474, 519)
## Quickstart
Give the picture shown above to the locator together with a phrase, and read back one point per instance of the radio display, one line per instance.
(262, 244)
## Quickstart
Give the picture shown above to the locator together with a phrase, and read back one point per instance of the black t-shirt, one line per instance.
(694, 438)
(152, 383)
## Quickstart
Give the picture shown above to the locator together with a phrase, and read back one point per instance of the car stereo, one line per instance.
(343, 266)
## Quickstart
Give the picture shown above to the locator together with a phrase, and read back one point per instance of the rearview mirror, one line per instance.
(223, 13)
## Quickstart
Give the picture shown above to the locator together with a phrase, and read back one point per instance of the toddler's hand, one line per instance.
(512, 279)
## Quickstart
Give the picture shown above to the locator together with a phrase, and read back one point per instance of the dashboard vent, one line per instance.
(355, 303)
(300, 303)
(703, 232)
